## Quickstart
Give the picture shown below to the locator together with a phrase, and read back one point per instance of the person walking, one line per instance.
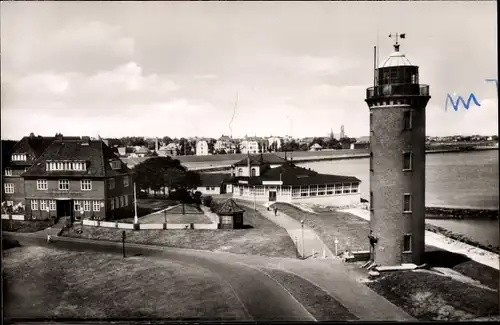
(48, 238)
(275, 210)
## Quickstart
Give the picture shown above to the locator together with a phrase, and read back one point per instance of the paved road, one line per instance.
(263, 298)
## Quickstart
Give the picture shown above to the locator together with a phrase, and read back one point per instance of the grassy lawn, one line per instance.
(42, 282)
(317, 302)
(477, 271)
(262, 237)
(431, 297)
(350, 230)
(25, 225)
(175, 215)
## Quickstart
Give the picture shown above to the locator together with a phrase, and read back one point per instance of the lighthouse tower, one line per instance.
(397, 104)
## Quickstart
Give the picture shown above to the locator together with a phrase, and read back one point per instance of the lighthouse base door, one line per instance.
(272, 196)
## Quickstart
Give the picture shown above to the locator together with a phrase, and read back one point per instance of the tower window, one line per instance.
(253, 172)
(407, 243)
(407, 202)
(407, 161)
(371, 161)
(371, 200)
(371, 122)
(407, 120)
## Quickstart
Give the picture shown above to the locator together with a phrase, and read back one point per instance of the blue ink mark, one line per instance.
(493, 80)
(455, 105)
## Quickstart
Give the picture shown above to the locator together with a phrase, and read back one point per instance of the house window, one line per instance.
(207, 188)
(19, 157)
(86, 206)
(117, 203)
(8, 172)
(407, 161)
(240, 172)
(86, 185)
(329, 189)
(126, 200)
(34, 205)
(407, 120)
(212, 188)
(354, 187)
(43, 205)
(121, 201)
(41, 184)
(253, 172)
(226, 220)
(112, 203)
(407, 203)
(371, 200)
(125, 181)
(9, 188)
(96, 206)
(26, 169)
(407, 243)
(346, 188)
(338, 188)
(52, 205)
(115, 164)
(111, 183)
(64, 184)
(78, 205)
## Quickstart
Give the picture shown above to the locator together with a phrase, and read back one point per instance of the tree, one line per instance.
(291, 146)
(319, 141)
(238, 148)
(159, 172)
(166, 140)
(304, 147)
(220, 152)
(211, 144)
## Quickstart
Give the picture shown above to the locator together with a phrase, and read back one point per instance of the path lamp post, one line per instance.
(123, 242)
(302, 234)
(9, 208)
(254, 202)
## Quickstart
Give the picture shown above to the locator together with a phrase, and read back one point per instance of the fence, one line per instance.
(14, 217)
(149, 226)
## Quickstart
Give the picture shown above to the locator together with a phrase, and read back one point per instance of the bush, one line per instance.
(8, 243)
(214, 206)
(197, 197)
(181, 195)
(207, 201)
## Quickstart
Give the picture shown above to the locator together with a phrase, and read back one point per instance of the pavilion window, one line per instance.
(354, 188)
(296, 191)
(329, 189)
(338, 188)
(313, 190)
(304, 191)
(321, 189)
(346, 188)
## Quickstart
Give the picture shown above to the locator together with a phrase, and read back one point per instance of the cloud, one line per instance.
(86, 46)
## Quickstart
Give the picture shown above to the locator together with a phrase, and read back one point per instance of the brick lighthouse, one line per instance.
(397, 104)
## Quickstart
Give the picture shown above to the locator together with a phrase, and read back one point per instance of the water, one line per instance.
(468, 180)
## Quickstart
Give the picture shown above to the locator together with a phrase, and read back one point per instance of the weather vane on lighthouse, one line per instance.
(396, 45)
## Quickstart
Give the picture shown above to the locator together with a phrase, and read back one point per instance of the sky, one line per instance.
(184, 69)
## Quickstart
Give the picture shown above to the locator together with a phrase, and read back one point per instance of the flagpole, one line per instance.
(136, 219)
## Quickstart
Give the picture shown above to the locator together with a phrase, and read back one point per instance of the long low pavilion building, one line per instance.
(276, 179)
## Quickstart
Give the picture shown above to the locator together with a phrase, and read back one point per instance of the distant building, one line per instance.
(274, 144)
(250, 146)
(212, 183)
(140, 151)
(270, 178)
(224, 143)
(202, 148)
(316, 147)
(172, 149)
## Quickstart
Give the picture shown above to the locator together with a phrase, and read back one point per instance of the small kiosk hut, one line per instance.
(230, 215)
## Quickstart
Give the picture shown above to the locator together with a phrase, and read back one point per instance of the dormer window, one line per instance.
(66, 165)
(115, 164)
(19, 157)
(8, 172)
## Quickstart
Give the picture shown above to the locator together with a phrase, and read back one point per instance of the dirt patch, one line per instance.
(430, 297)
(46, 283)
(318, 303)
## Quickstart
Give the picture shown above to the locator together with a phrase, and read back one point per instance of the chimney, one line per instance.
(85, 141)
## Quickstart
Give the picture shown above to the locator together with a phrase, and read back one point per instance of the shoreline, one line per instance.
(441, 241)
(223, 162)
(433, 212)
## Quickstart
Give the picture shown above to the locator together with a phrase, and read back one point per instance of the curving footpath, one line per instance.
(263, 298)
